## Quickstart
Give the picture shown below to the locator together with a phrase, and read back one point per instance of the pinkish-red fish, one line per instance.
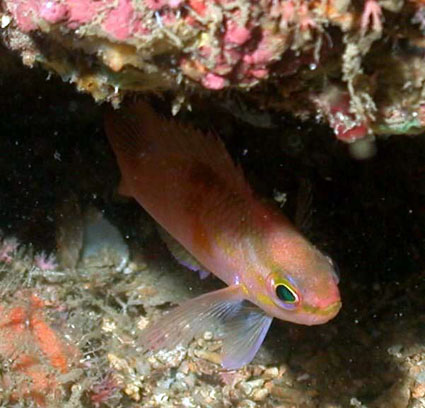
(189, 184)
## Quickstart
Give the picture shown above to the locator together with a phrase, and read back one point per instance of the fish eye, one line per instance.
(286, 294)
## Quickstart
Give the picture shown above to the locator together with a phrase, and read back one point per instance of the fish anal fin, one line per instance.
(191, 318)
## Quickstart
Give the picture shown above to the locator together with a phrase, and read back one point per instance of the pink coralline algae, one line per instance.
(119, 22)
(53, 12)
(295, 47)
(216, 43)
(236, 34)
(81, 12)
(45, 262)
(25, 13)
(29, 14)
(231, 42)
(213, 81)
(155, 4)
(8, 247)
(335, 105)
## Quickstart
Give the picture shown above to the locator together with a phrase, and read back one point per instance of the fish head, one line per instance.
(301, 284)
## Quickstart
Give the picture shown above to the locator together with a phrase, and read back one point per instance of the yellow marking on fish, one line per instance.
(226, 245)
(322, 312)
(244, 289)
(264, 299)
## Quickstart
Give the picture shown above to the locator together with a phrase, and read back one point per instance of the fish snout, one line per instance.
(321, 315)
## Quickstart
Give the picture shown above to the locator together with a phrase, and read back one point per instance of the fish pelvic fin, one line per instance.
(181, 254)
(244, 326)
(137, 131)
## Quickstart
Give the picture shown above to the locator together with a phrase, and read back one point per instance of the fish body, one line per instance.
(189, 184)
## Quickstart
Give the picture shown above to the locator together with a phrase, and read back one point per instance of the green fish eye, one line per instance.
(286, 294)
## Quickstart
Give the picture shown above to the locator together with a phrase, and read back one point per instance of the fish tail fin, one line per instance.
(245, 325)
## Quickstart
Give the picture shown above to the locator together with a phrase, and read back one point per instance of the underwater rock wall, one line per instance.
(355, 65)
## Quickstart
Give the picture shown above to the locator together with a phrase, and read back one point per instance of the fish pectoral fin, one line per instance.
(244, 325)
(244, 332)
(181, 254)
(193, 317)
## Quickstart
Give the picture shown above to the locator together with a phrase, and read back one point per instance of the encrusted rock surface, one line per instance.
(355, 65)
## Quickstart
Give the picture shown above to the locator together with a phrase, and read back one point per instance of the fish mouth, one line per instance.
(322, 315)
(333, 309)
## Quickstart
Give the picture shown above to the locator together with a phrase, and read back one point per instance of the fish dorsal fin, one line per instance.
(181, 254)
(244, 325)
(244, 332)
(124, 132)
(303, 214)
(138, 130)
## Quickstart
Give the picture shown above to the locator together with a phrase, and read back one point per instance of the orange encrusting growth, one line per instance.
(49, 344)
(36, 352)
